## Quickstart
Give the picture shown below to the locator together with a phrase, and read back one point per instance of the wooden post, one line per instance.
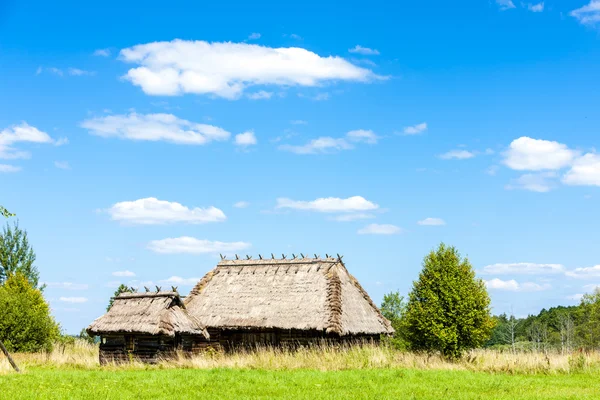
(10, 360)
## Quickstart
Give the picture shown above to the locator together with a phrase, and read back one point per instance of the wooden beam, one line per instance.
(10, 360)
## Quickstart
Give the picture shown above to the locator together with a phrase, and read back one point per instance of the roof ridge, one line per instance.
(334, 301)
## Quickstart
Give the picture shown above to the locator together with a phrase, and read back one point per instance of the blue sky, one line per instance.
(138, 142)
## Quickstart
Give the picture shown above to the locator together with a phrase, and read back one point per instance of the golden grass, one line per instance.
(82, 355)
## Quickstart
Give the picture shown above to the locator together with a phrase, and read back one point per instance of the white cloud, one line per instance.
(352, 217)
(523, 269)
(62, 164)
(539, 7)
(6, 168)
(155, 127)
(260, 95)
(22, 133)
(576, 297)
(591, 287)
(328, 145)
(380, 229)
(80, 72)
(66, 285)
(177, 280)
(73, 299)
(329, 204)
(151, 211)
(514, 286)
(254, 36)
(527, 154)
(415, 129)
(585, 273)
(228, 69)
(102, 52)
(241, 204)
(192, 245)
(365, 51)
(588, 14)
(432, 222)
(70, 71)
(298, 122)
(457, 155)
(585, 171)
(245, 139)
(362, 135)
(505, 4)
(540, 182)
(123, 273)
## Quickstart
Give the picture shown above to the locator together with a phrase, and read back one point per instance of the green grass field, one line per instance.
(297, 384)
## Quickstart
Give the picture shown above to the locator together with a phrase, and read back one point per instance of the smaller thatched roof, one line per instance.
(154, 313)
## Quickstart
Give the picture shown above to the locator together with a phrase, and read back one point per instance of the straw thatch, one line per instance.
(154, 313)
(301, 294)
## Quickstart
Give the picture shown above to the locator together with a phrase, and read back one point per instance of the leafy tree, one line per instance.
(5, 213)
(83, 335)
(589, 328)
(25, 320)
(16, 255)
(393, 307)
(448, 308)
(121, 289)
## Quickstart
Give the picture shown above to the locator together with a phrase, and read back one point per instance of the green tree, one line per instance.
(448, 308)
(25, 320)
(589, 328)
(121, 289)
(5, 213)
(393, 307)
(16, 255)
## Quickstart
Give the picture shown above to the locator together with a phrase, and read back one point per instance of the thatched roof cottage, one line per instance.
(147, 326)
(278, 301)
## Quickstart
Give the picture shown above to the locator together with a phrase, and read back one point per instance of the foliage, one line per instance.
(25, 321)
(121, 289)
(5, 213)
(393, 307)
(16, 255)
(83, 335)
(448, 308)
(589, 327)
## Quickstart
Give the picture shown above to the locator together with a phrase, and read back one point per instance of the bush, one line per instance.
(448, 309)
(25, 322)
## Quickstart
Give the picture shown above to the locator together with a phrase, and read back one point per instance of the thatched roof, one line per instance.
(301, 293)
(154, 313)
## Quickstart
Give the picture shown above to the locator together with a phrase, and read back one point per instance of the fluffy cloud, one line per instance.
(432, 222)
(192, 245)
(6, 168)
(514, 286)
(588, 14)
(585, 170)
(254, 36)
(576, 297)
(123, 273)
(527, 154)
(260, 95)
(380, 229)
(326, 144)
(70, 71)
(505, 4)
(241, 204)
(177, 280)
(102, 53)
(540, 182)
(585, 273)
(73, 299)
(365, 51)
(457, 155)
(329, 204)
(523, 269)
(151, 211)
(415, 129)
(155, 127)
(539, 7)
(66, 285)
(245, 139)
(22, 133)
(62, 164)
(227, 69)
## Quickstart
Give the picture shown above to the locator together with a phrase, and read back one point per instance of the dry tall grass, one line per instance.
(82, 355)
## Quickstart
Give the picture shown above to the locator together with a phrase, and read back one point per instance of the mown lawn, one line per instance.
(297, 384)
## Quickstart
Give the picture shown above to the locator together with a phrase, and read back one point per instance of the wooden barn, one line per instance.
(284, 302)
(147, 327)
